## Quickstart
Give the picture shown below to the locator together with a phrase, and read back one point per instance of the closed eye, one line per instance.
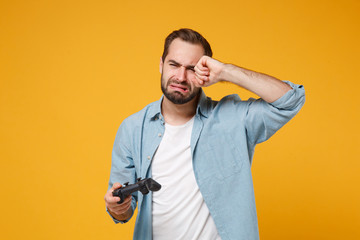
(191, 69)
(176, 64)
(173, 63)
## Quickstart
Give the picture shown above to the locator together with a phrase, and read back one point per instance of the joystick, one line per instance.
(144, 186)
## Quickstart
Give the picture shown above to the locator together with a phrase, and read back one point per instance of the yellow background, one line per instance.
(71, 71)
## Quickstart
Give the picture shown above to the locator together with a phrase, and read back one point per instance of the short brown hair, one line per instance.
(187, 35)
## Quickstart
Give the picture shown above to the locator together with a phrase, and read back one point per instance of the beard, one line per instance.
(177, 97)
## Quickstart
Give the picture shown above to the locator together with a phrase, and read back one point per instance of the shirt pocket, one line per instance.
(220, 156)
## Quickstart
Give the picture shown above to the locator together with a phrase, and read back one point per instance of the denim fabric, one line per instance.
(224, 136)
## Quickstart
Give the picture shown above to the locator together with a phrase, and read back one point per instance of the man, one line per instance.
(198, 149)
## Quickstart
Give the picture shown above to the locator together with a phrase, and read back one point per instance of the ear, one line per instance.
(161, 65)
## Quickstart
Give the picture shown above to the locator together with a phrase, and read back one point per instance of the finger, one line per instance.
(202, 63)
(125, 204)
(116, 186)
(198, 82)
(110, 200)
(121, 208)
(108, 196)
(202, 71)
(126, 200)
(202, 77)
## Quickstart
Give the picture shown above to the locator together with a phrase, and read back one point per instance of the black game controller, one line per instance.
(144, 186)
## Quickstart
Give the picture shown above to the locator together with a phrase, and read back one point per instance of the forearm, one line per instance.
(267, 87)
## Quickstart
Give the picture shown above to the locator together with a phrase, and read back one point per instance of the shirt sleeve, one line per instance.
(122, 166)
(263, 119)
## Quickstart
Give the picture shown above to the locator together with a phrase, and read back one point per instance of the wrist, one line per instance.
(123, 216)
(225, 72)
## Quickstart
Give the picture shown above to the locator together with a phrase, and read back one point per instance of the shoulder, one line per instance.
(131, 127)
(138, 118)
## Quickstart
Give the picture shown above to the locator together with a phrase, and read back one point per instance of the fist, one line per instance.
(208, 71)
(112, 205)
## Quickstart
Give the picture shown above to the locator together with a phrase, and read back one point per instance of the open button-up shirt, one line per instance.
(223, 139)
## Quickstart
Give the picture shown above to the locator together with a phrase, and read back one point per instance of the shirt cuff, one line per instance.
(292, 98)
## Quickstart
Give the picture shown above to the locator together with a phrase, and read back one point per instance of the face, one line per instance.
(177, 71)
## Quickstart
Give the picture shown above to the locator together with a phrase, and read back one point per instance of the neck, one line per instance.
(178, 114)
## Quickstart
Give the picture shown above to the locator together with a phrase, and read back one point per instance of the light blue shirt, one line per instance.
(223, 139)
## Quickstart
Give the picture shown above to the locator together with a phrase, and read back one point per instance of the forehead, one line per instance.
(184, 52)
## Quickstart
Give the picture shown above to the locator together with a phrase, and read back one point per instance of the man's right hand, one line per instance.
(119, 211)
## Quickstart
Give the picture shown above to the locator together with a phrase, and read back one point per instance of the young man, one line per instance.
(198, 149)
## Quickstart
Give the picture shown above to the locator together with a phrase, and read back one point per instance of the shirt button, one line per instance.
(159, 134)
(148, 157)
(160, 117)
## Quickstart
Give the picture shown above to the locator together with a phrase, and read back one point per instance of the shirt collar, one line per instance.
(203, 107)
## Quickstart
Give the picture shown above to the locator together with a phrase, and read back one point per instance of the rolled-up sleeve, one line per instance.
(263, 119)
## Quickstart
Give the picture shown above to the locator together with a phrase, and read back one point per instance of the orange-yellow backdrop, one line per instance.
(71, 71)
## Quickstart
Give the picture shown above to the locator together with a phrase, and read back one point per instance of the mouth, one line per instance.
(179, 88)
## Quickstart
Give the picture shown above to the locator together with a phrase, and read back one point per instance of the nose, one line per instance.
(181, 74)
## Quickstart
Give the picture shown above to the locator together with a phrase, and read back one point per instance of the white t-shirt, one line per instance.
(178, 209)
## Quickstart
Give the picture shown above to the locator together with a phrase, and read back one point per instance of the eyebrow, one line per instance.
(178, 64)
